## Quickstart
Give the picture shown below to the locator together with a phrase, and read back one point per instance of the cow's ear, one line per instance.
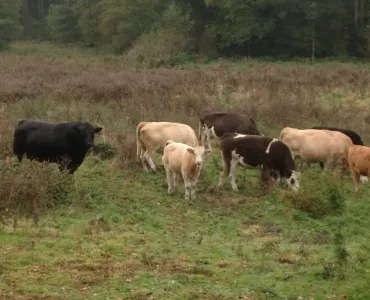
(97, 129)
(190, 150)
(208, 152)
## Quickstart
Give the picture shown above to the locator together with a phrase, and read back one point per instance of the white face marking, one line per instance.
(238, 136)
(198, 153)
(293, 180)
(269, 146)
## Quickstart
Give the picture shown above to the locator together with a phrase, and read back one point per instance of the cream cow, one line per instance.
(313, 145)
(181, 159)
(152, 136)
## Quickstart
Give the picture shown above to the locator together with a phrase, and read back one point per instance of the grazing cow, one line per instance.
(251, 151)
(359, 163)
(220, 123)
(63, 143)
(317, 145)
(354, 136)
(181, 159)
(152, 136)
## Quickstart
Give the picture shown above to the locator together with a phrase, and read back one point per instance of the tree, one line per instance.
(62, 22)
(9, 22)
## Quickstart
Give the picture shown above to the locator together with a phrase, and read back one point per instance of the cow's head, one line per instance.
(199, 152)
(293, 179)
(86, 133)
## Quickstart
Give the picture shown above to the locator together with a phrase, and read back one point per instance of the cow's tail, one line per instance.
(256, 131)
(139, 143)
(282, 134)
(200, 125)
(168, 142)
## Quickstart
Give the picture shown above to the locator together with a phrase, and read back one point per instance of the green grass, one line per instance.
(123, 236)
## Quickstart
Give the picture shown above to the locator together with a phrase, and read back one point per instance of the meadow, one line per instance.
(110, 231)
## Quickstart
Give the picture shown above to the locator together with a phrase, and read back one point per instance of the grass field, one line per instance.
(114, 233)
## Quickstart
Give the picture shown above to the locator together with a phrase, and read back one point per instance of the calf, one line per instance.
(152, 136)
(359, 163)
(220, 123)
(314, 145)
(181, 159)
(256, 151)
(63, 143)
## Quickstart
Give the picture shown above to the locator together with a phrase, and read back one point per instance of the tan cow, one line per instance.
(181, 159)
(359, 163)
(314, 145)
(152, 136)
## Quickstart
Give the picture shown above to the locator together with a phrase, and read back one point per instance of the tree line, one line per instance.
(276, 28)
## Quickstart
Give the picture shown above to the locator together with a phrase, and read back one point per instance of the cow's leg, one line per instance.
(225, 169)
(170, 182)
(232, 173)
(328, 165)
(192, 189)
(175, 179)
(206, 135)
(355, 177)
(321, 165)
(147, 156)
(187, 184)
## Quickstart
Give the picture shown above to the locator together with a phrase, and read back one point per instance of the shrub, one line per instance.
(29, 188)
(104, 150)
(318, 195)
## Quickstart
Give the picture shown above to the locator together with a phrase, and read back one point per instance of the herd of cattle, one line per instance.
(240, 144)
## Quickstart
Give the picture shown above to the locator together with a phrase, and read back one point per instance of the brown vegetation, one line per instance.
(275, 95)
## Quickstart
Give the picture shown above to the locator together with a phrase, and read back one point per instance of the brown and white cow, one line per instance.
(152, 136)
(251, 151)
(181, 159)
(359, 163)
(219, 123)
(317, 145)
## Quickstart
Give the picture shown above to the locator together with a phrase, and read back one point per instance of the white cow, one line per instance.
(314, 145)
(181, 159)
(152, 136)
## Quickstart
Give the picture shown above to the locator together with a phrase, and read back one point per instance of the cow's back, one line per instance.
(354, 136)
(231, 122)
(160, 132)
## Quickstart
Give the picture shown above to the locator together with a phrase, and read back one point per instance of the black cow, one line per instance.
(220, 123)
(251, 151)
(63, 143)
(356, 139)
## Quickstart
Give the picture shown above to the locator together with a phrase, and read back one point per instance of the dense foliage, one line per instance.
(9, 24)
(277, 28)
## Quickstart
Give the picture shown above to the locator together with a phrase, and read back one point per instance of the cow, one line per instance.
(181, 159)
(252, 151)
(219, 123)
(63, 143)
(317, 145)
(354, 136)
(152, 136)
(359, 163)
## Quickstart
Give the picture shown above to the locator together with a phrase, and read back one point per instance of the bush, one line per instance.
(104, 150)
(318, 195)
(29, 188)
